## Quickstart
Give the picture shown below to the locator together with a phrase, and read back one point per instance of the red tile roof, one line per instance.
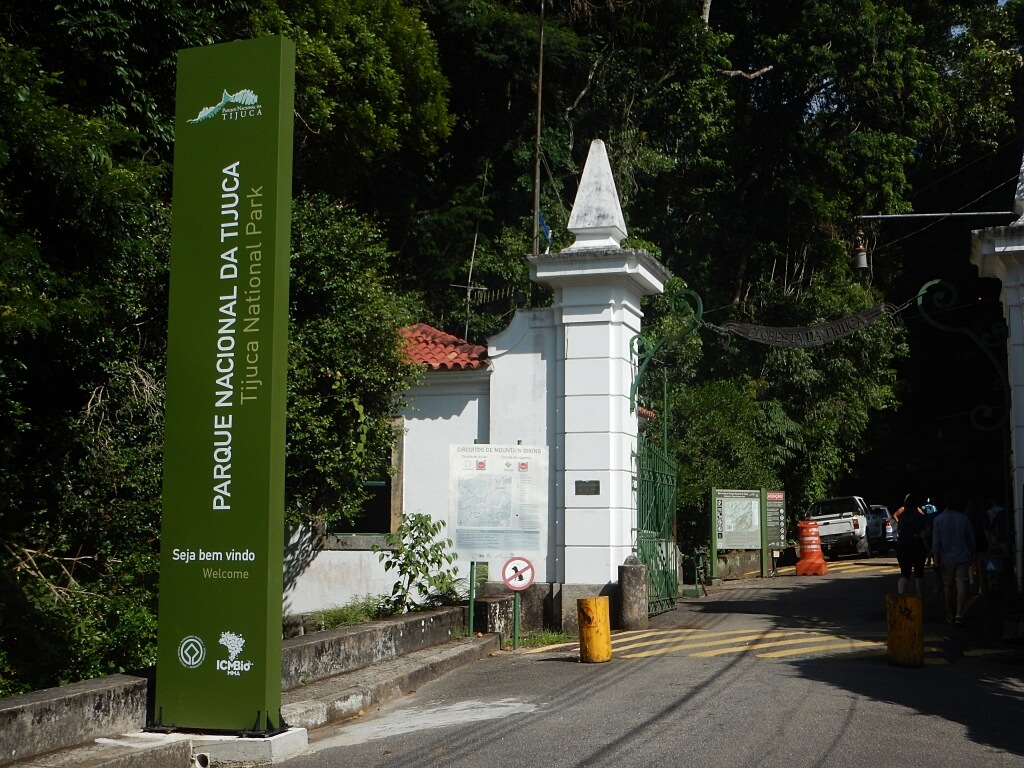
(437, 349)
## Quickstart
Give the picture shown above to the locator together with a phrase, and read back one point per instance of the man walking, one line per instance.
(953, 550)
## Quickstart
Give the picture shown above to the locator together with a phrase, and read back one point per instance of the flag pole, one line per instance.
(536, 146)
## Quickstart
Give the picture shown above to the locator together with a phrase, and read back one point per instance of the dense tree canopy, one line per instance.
(84, 212)
(745, 137)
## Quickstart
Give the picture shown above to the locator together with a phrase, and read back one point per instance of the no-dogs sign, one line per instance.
(517, 573)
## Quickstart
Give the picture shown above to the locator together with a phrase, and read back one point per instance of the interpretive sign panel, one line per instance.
(775, 519)
(499, 500)
(737, 519)
(219, 636)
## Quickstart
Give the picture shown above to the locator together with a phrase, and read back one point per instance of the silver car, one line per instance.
(881, 528)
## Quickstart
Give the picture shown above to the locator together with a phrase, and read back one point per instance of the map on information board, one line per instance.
(499, 500)
(738, 519)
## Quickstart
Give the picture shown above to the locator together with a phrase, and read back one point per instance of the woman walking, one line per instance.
(911, 549)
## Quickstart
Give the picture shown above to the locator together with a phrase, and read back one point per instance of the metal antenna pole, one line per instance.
(536, 146)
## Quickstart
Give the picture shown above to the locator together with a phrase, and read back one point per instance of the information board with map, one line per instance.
(499, 501)
(737, 519)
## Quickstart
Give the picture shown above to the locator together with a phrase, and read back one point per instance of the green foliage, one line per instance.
(367, 85)
(84, 225)
(357, 611)
(742, 149)
(347, 362)
(82, 268)
(421, 561)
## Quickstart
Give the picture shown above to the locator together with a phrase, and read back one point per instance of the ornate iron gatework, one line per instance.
(655, 532)
(656, 473)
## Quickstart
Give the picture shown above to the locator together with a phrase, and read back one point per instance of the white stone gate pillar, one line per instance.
(598, 287)
(999, 252)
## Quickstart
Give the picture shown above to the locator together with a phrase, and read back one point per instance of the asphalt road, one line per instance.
(789, 671)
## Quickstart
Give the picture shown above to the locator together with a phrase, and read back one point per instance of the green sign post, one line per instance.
(219, 641)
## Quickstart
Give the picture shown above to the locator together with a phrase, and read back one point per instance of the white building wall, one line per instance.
(449, 407)
(525, 373)
(335, 578)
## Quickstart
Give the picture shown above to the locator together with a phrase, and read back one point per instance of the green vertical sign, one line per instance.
(219, 641)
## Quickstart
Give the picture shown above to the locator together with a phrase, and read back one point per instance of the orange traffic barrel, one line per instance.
(811, 563)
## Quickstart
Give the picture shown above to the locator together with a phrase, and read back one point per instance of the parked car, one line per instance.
(881, 528)
(842, 525)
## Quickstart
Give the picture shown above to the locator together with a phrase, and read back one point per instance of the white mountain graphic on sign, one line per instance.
(244, 98)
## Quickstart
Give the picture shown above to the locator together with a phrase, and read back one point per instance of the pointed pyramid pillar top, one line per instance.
(596, 217)
(1018, 197)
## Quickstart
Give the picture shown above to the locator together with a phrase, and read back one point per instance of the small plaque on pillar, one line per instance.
(588, 487)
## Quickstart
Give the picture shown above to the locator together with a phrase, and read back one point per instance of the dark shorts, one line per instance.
(911, 559)
(954, 572)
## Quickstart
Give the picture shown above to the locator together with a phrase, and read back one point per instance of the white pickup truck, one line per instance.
(842, 525)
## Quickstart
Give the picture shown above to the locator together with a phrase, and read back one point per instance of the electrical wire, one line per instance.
(928, 226)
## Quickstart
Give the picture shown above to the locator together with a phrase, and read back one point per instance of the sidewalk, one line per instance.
(317, 704)
(351, 671)
(352, 694)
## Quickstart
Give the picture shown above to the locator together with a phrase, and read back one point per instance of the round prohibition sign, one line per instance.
(517, 573)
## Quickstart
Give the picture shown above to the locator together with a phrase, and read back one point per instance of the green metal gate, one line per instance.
(655, 532)
(655, 471)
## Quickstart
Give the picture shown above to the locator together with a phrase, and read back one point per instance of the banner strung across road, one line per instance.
(219, 634)
(809, 336)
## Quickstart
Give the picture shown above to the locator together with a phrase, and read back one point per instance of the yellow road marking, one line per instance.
(769, 644)
(670, 636)
(790, 570)
(985, 652)
(844, 643)
(701, 644)
(663, 641)
(623, 637)
(554, 647)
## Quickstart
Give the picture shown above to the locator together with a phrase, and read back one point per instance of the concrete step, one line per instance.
(135, 750)
(338, 698)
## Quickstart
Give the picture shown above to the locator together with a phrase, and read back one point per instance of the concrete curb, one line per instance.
(322, 655)
(58, 718)
(346, 696)
(79, 724)
(135, 750)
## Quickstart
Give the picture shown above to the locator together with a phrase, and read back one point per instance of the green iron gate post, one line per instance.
(656, 476)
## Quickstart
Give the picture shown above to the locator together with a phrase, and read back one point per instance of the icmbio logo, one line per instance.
(232, 665)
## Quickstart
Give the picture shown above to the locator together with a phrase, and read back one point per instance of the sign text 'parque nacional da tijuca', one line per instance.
(219, 636)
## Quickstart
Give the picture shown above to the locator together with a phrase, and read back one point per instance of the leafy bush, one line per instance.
(422, 560)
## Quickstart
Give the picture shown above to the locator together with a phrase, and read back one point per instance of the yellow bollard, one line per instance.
(904, 615)
(595, 629)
